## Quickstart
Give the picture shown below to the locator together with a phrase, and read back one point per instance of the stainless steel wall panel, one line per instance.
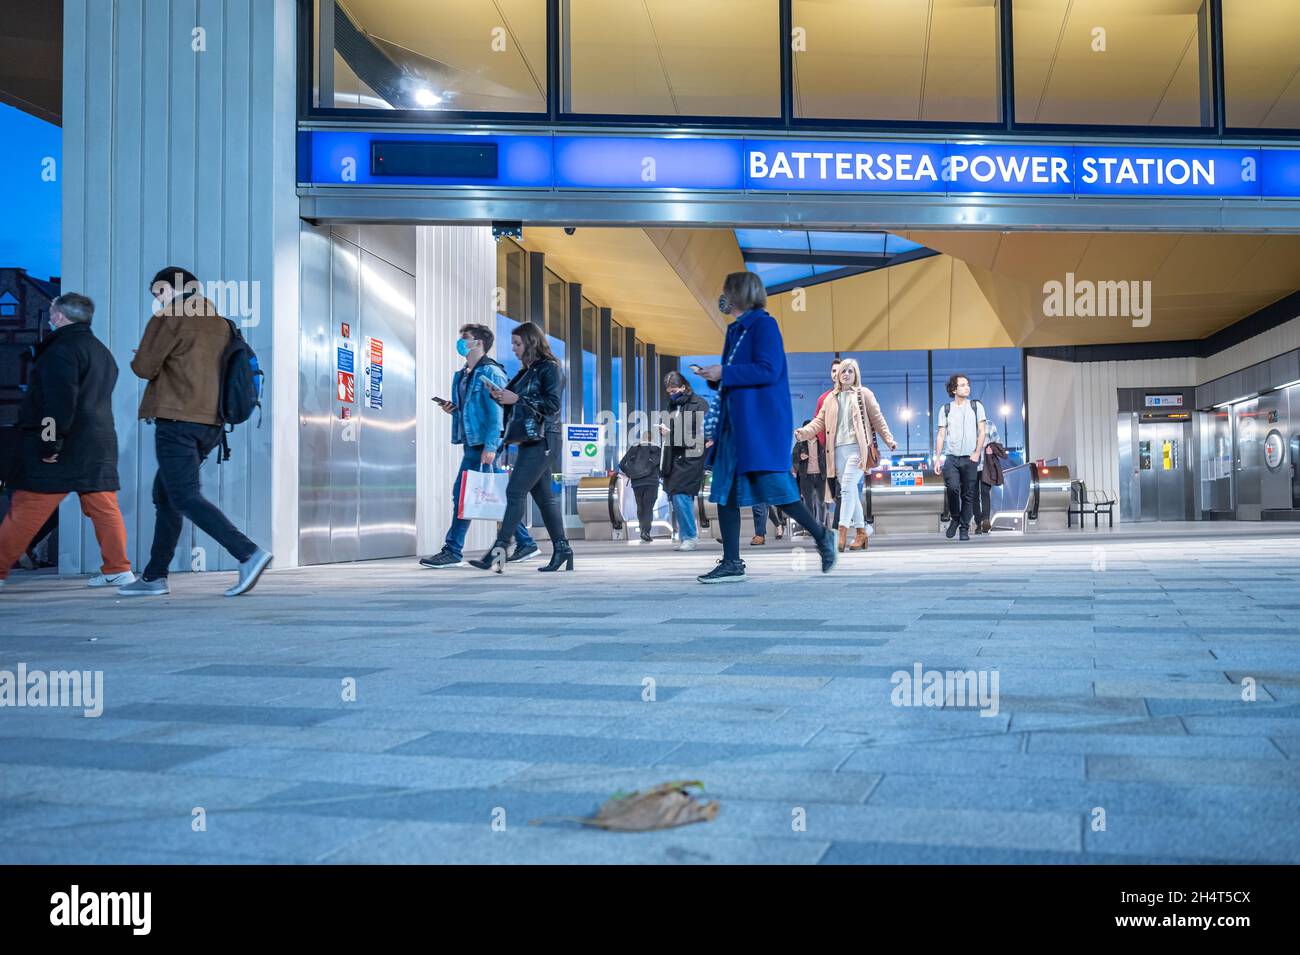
(345, 484)
(169, 157)
(395, 244)
(357, 493)
(315, 395)
(387, 485)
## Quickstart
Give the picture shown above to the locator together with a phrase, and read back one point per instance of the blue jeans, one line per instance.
(684, 508)
(455, 541)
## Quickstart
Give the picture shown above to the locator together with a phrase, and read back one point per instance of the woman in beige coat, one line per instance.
(851, 418)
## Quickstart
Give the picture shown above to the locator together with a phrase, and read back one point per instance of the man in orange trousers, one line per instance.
(68, 443)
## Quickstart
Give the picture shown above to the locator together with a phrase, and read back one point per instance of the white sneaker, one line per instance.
(687, 544)
(111, 580)
(870, 530)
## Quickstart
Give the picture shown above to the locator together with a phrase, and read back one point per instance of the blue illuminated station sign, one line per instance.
(716, 164)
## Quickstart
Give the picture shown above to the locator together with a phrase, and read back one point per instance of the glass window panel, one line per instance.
(897, 378)
(438, 55)
(796, 239)
(616, 384)
(1110, 62)
(847, 241)
(504, 354)
(923, 60)
(590, 363)
(895, 245)
(775, 273)
(641, 397)
(673, 58)
(1261, 63)
(557, 328)
(512, 280)
(994, 375)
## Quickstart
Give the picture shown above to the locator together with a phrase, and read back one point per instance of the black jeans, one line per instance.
(645, 506)
(982, 504)
(960, 474)
(531, 475)
(729, 519)
(181, 448)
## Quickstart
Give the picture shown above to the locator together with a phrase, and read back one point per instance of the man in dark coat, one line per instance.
(69, 443)
(682, 469)
(641, 465)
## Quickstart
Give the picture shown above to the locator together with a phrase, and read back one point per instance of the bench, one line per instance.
(1084, 502)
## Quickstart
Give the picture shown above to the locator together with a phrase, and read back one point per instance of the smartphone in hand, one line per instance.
(696, 368)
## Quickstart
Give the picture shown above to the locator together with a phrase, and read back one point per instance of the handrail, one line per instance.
(615, 506)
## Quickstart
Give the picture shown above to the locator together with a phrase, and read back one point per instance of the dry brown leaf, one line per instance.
(666, 806)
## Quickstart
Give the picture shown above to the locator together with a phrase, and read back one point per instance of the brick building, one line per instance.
(24, 310)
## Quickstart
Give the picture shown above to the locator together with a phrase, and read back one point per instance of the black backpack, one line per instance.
(241, 386)
(974, 406)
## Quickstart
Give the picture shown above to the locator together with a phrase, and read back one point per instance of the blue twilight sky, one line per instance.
(32, 209)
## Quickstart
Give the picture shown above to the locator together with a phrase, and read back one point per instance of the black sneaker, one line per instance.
(952, 530)
(828, 551)
(523, 553)
(442, 559)
(965, 534)
(727, 571)
(646, 538)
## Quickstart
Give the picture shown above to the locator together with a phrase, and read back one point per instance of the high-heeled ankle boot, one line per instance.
(561, 558)
(495, 559)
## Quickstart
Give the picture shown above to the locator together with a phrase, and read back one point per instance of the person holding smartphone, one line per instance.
(476, 420)
(534, 397)
(751, 451)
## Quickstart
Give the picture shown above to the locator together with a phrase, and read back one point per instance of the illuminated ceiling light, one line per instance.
(426, 98)
(1228, 404)
(1289, 384)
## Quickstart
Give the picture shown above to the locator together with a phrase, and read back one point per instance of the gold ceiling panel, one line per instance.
(637, 276)
(1261, 53)
(1139, 78)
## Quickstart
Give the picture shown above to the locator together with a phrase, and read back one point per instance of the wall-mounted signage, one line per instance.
(374, 372)
(1164, 401)
(1274, 450)
(560, 161)
(584, 450)
(906, 478)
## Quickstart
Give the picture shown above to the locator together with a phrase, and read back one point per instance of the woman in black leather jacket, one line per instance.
(533, 399)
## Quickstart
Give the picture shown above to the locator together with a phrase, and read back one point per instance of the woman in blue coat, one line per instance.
(751, 451)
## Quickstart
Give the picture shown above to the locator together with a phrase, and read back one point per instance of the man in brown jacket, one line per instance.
(180, 356)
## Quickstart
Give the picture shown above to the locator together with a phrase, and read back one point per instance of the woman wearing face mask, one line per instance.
(751, 453)
(683, 461)
(851, 418)
(533, 399)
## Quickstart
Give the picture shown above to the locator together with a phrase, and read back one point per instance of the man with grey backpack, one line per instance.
(958, 445)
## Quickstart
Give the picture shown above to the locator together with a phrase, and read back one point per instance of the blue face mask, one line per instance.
(462, 347)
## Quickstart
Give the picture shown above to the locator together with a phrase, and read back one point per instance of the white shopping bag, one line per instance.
(482, 496)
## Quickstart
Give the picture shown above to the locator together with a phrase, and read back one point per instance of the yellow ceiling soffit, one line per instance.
(932, 303)
(665, 286)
